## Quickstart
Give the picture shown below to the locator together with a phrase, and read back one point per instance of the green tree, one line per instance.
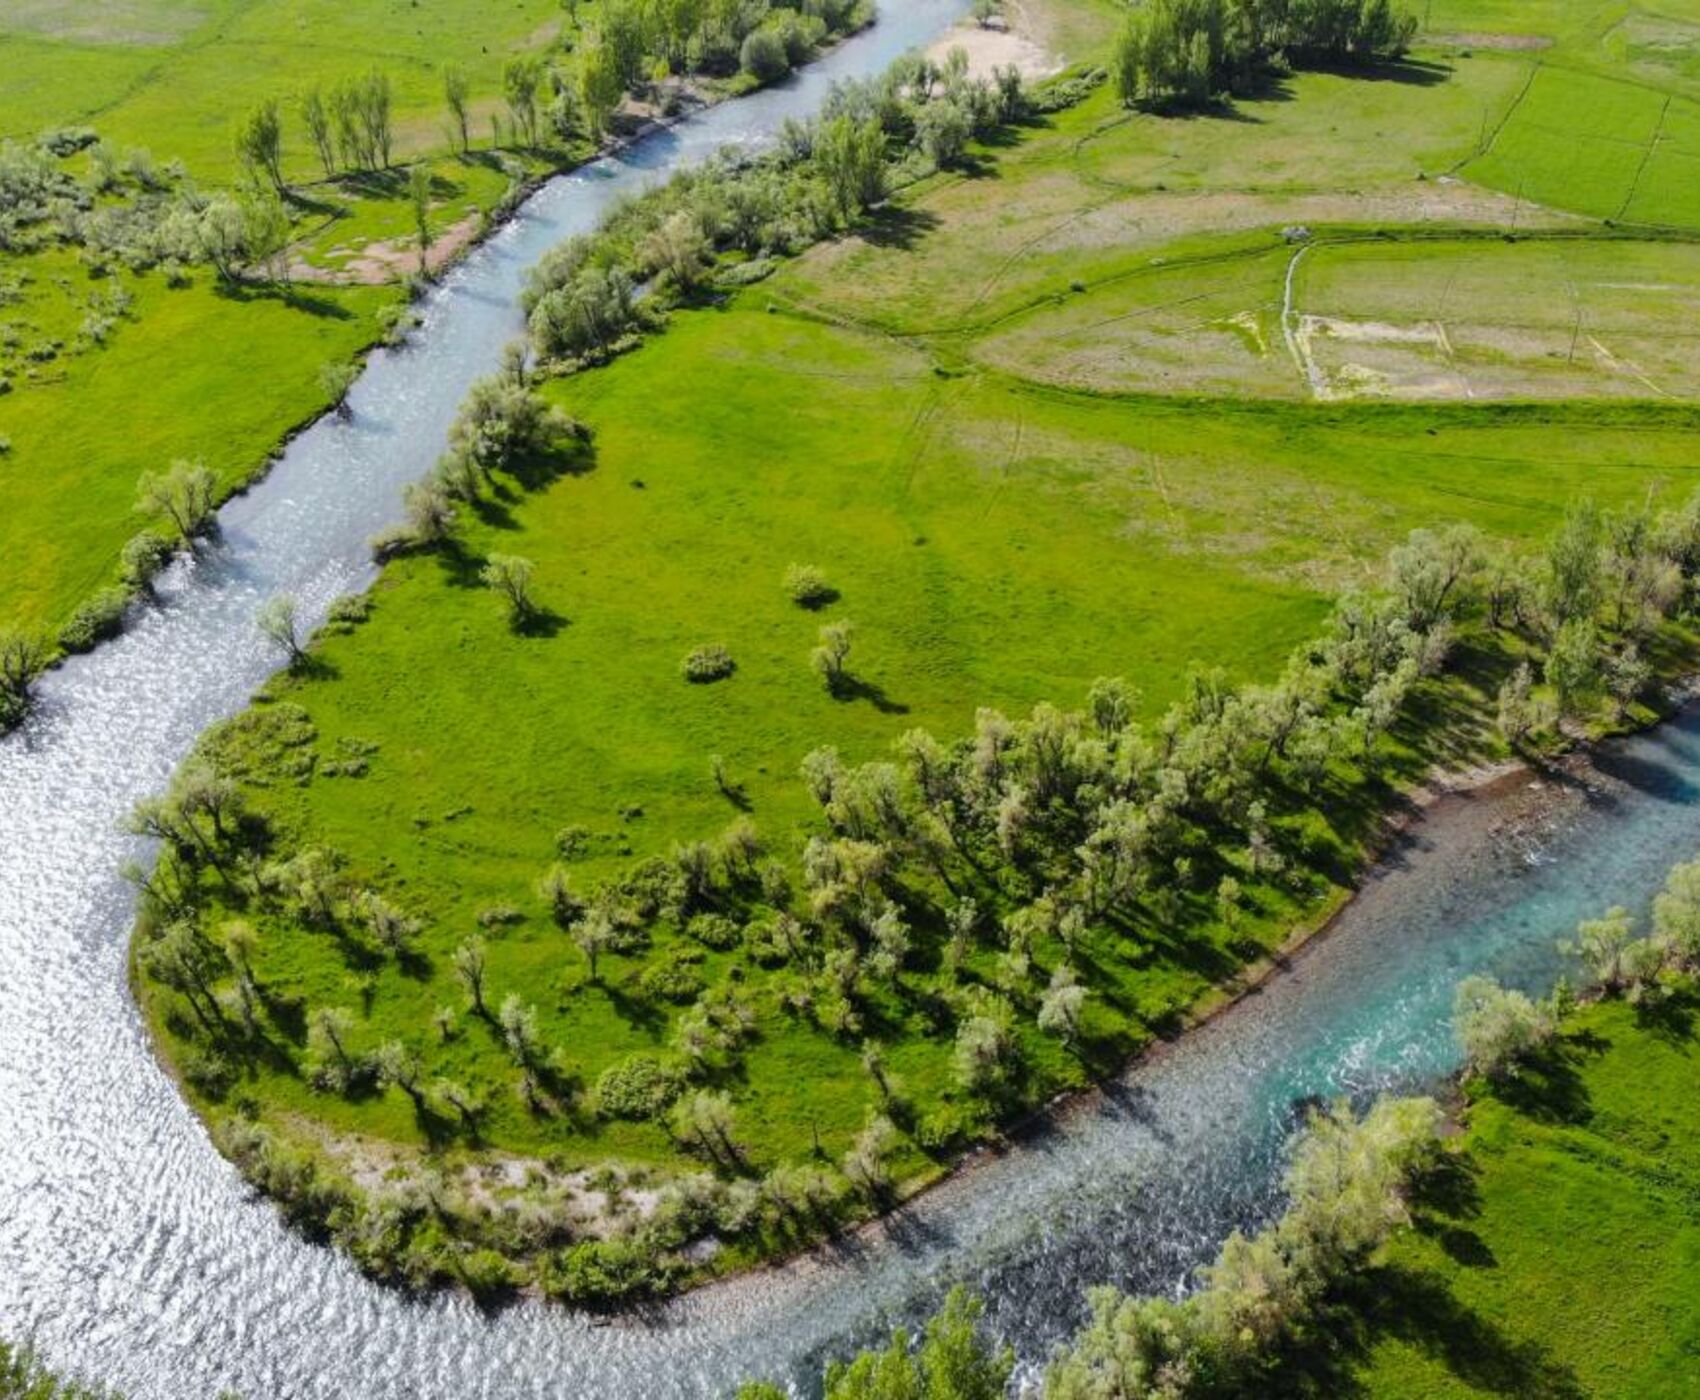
(277, 621)
(259, 144)
(510, 575)
(952, 1362)
(456, 92)
(520, 79)
(1573, 666)
(317, 119)
(600, 86)
(1497, 1029)
(183, 494)
(419, 197)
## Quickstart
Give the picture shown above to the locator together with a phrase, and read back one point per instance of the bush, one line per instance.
(715, 931)
(102, 616)
(640, 1087)
(763, 56)
(707, 664)
(144, 556)
(602, 1271)
(808, 587)
(671, 979)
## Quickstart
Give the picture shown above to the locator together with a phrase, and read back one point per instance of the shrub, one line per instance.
(602, 1271)
(639, 1087)
(707, 664)
(671, 979)
(763, 56)
(715, 931)
(102, 616)
(144, 555)
(808, 587)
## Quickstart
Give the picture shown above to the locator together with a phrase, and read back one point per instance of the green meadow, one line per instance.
(1560, 1254)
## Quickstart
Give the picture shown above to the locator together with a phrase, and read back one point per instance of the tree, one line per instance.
(456, 90)
(1602, 944)
(1676, 912)
(830, 657)
(419, 196)
(1518, 713)
(763, 56)
(21, 660)
(1060, 1007)
(259, 144)
(679, 250)
(519, 89)
(469, 967)
(1572, 584)
(1573, 666)
(600, 86)
(942, 130)
(317, 120)
(183, 493)
(1431, 568)
(430, 514)
(276, 620)
(1627, 674)
(594, 935)
(519, 1030)
(1497, 1028)
(984, 1054)
(510, 575)
(953, 1362)
(373, 99)
(850, 157)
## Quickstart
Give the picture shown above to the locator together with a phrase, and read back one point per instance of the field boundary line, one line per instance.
(1646, 157)
(1483, 147)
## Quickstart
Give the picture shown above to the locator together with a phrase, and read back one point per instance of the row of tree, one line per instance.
(824, 176)
(1192, 51)
(1347, 1187)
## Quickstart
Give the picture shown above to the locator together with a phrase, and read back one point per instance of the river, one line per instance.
(130, 1251)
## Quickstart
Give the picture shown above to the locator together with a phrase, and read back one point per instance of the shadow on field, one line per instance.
(896, 227)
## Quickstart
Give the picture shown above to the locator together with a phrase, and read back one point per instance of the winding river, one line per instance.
(130, 1251)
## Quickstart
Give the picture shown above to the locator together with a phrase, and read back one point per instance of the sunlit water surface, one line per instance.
(130, 1250)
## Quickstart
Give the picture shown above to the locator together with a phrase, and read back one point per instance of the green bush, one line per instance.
(707, 664)
(144, 556)
(715, 931)
(640, 1087)
(673, 979)
(763, 56)
(102, 616)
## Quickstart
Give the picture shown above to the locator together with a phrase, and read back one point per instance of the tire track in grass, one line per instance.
(1646, 158)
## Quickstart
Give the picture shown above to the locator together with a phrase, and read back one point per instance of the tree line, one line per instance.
(1192, 52)
(1348, 1185)
(825, 174)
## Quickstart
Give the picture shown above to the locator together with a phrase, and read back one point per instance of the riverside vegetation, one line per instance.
(196, 243)
(1547, 1250)
(635, 999)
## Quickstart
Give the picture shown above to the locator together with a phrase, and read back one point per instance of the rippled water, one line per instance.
(129, 1249)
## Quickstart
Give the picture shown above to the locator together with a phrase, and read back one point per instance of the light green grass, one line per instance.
(1563, 1257)
(994, 543)
(198, 372)
(175, 79)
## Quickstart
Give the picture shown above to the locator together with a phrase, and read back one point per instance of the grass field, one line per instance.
(1562, 1256)
(1029, 425)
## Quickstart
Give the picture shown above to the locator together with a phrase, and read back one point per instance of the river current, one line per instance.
(130, 1251)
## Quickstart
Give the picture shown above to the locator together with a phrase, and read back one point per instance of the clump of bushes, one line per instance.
(707, 664)
(808, 587)
(639, 1088)
(100, 617)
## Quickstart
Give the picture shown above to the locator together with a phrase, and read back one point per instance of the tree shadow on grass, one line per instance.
(1420, 1310)
(1549, 1088)
(288, 293)
(635, 1012)
(894, 226)
(540, 622)
(850, 688)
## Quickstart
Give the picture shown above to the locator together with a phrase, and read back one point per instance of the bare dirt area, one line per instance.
(1509, 43)
(994, 46)
(389, 260)
(1158, 216)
